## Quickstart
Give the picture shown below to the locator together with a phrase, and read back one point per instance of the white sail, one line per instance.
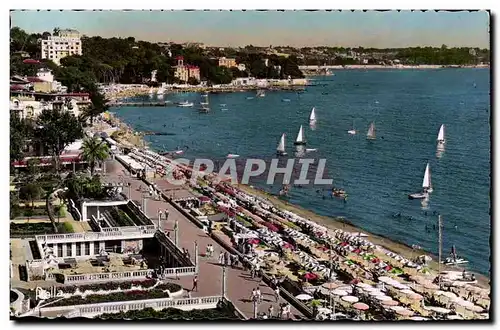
(441, 134)
(151, 91)
(371, 131)
(281, 145)
(300, 136)
(312, 117)
(426, 184)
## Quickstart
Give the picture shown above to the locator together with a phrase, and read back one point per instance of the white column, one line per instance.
(64, 250)
(54, 247)
(91, 252)
(73, 249)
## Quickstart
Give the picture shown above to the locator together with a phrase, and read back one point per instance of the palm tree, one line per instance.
(94, 150)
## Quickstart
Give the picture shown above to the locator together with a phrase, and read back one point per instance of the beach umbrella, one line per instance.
(350, 299)
(370, 289)
(253, 241)
(383, 298)
(304, 297)
(376, 293)
(418, 318)
(405, 312)
(454, 317)
(475, 308)
(449, 294)
(346, 288)
(361, 306)
(324, 310)
(330, 286)
(463, 303)
(338, 292)
(389, 302)
(363, 285)
(439, 310)
(385, 279)
(310, 276)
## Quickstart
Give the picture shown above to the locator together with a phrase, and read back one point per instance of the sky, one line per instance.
(389, 29)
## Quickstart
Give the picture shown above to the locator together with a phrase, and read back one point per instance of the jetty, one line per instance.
(140, 104)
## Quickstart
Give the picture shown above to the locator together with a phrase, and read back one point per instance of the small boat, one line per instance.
(223, 105)
(453, 259)
(185, 104)
(204, 104)
(280, 150)
(232, 156)
(249, 97)
(352, 131)
(426, 186)
(370, 135)
(312, 116)
(260, 93)
(300, 137)
(311, 150)
(151, 92)
(440, 138)
(339, 193)
(285, 100)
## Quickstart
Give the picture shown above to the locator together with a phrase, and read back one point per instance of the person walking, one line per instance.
(270, 312)
(221, 258)
(277, 293)
(259, 295)
(195, 284)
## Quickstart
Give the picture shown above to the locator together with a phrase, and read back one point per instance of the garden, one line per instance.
(162, 290)
(173, 314)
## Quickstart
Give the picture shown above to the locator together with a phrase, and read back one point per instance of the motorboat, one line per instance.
(420, 195)
(204, 104)
(260, 93)
(185, 104)
(453, 259)
(352, 131)
(280, 150)
(285, 100)
(300, 137)
(311, 150)
(232, 156)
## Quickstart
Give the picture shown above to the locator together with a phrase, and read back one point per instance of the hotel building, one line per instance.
(66, 43)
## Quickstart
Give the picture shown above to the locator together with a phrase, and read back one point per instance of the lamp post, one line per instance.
(176, 232)
(159, 219)
(224, 281)
(196, 256)
(129, 189)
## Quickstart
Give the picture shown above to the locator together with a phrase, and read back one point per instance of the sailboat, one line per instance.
(300, 137)
(204, 105)
(440, 138)
(352, 131)
(160, 91)
(426, 186)
(453, 259)
(151, 92)
(261, 93)
(371, 132)
(280, 151)
(312, 116)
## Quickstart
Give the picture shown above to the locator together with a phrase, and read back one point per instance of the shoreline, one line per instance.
(333, 222)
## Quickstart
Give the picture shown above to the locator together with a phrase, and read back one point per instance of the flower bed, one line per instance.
(110, 286)
(156, 293)
(173, 314)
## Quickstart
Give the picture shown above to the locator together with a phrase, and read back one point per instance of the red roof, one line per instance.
(179, 58)
(192, 67)
(31, 61)
(46, 161)
(16, 87)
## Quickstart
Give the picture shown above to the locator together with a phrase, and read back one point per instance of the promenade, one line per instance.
(239, 284)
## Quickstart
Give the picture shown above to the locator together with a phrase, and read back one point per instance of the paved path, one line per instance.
(239, 284)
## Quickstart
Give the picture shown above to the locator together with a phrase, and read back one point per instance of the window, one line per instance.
(78, 250)
(87, 248)
(96, 248)
(59, 250)
(69, 253)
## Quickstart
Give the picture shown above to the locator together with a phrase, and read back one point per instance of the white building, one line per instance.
(66, 43)
(26, 107)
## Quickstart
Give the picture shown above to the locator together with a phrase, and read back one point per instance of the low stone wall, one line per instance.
(93, 310)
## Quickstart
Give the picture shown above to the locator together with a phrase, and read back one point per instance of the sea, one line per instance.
(407, 106)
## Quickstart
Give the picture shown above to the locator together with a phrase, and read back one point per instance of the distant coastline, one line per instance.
(314, 72)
